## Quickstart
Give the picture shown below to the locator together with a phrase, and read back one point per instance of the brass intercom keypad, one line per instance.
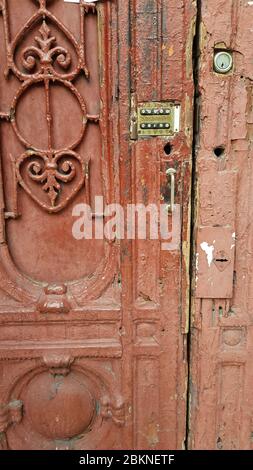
(158, 119)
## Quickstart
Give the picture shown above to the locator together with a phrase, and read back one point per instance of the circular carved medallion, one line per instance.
(59, 407)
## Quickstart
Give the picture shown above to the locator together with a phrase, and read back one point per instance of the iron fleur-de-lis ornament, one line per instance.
(46, 63)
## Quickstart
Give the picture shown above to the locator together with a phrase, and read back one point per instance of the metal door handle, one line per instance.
(171, 175)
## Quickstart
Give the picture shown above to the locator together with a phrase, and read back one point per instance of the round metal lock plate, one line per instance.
(223, 62)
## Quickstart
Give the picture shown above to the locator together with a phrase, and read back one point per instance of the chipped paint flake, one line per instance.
(208, 249)
(233, 234)
(171, 51)
(197, 262)
(78, 1)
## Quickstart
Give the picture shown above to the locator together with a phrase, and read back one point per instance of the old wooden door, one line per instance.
(221, 372)
(92, 331)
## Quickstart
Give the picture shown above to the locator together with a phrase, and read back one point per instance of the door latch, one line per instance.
(171, 175)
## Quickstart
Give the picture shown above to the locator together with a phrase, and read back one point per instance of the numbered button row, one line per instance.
(158, 111)
(161, 125)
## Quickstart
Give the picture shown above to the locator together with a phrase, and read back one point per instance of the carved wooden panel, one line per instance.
(60, 299)
(53, 139)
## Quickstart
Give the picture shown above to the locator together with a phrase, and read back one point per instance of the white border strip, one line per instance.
(177, 113)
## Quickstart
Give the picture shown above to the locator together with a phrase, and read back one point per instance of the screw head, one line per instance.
(223, 62)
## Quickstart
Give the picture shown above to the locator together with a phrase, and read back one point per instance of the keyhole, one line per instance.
(219, 151)
(168, 148)
(223, 61)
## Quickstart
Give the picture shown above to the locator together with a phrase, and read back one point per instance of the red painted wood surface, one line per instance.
(221, 362)
(92, 333)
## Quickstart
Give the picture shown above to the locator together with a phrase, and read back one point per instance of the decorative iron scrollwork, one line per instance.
(46, 62)
(45, 52)
(50, 170)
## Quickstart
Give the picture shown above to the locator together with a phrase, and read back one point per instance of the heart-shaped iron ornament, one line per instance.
(51, 179)
(46, 57)
(221, 260)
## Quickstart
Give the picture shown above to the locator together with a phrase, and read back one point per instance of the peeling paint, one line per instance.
(197, 262)
(208, 249)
